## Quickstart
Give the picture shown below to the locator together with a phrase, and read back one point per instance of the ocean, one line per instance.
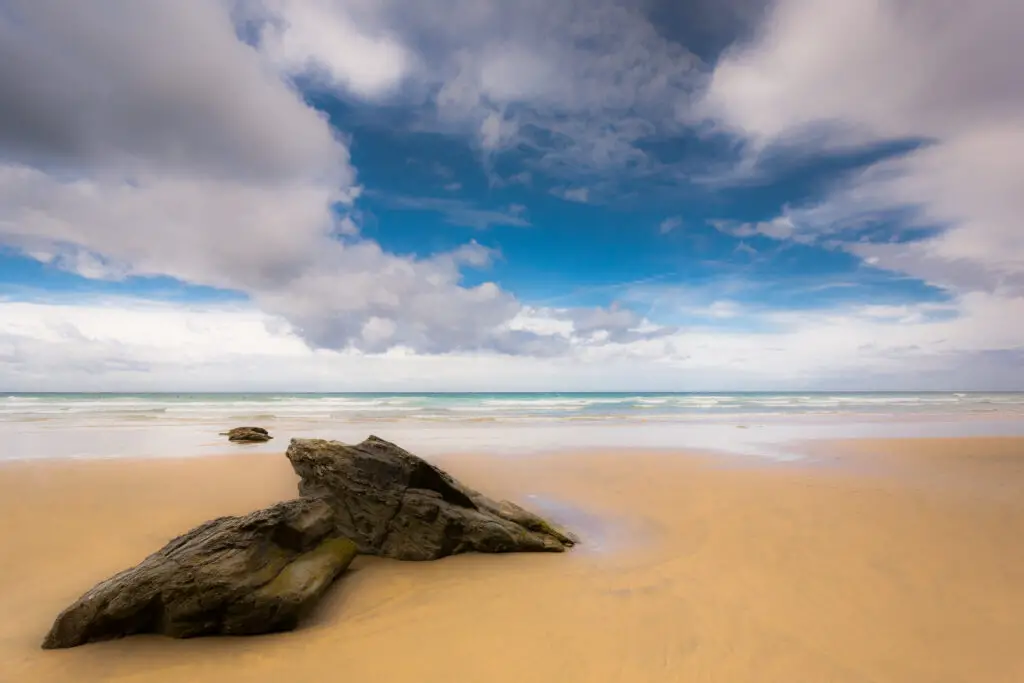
(499, 407)
(105, 425)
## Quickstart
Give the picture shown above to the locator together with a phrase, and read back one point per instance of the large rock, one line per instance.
(232, 575)
(394, 504)
(248, 435)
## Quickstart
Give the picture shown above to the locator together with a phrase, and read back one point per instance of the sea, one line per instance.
(82, 425)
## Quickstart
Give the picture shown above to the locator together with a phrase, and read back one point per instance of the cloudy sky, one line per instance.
(511, 195)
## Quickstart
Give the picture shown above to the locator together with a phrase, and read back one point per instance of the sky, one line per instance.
(511, 195)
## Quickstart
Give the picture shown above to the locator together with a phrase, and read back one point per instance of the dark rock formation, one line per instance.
(232, 575)
(248, 435)
(392, 503)
(262, 572)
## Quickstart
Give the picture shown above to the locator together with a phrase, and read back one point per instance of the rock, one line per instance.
(394, 504)
(232, 575)
(248, 434)
(263, 572)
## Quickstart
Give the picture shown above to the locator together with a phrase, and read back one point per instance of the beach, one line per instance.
(866, 560)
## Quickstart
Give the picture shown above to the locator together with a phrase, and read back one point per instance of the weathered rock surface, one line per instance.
(248, 434)
(394, 504)
(263, 572)
(232, 575)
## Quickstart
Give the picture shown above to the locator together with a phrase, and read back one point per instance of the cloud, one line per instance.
(464, 213)
(810, 62)
(573, 84)
(124, 155)
(580, 195)
(128, 343)
(670, 224)
(724, 309)
(970, 187)
(223, 233)
(521, 178)
(275, 246)
(846, 73)
(602, 325)
(744, 248)
(328, 41)
(108, 86)
(125, 344)
(780, 228)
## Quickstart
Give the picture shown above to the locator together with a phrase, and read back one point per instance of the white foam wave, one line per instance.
(212, 409)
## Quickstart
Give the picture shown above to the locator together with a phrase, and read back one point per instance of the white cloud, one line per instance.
(744, 248)
(670, 224)
(273, 245)
(911, 67)
(576, 82)
(108, 84)
(843, 73)
(223, 233)
(321, 38)
(496, 131)
(461, 212)
(125, 155)
(972, 186)
(724, 309)
(580, 195)
(122, 154)
(782, 227)
(132, 345)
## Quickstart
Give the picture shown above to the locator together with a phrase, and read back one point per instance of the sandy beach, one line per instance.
(883, 561)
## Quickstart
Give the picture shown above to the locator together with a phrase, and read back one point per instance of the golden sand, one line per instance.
(898, 561)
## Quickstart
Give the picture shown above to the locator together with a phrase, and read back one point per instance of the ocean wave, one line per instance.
(226, 409)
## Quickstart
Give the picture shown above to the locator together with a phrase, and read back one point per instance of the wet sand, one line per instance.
(876, 561)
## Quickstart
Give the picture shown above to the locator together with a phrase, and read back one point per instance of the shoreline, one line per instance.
(769, 439)
(864, 562)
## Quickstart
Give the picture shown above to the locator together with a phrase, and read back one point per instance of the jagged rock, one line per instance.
(394, 504)
(232, 575)
(264, 571)
(248, 434)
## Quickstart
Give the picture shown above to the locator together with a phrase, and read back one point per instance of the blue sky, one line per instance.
(617, 194)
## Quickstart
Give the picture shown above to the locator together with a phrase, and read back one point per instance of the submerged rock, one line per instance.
(395, 504)
(248, 434)
(232, 575)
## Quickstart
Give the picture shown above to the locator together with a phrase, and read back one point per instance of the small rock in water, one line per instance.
(248, 434)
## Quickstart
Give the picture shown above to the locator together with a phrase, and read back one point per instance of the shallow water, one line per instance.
(773, 440)
(159, 425)
(597, 533)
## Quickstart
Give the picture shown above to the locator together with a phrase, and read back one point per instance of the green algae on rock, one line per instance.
(263, 572)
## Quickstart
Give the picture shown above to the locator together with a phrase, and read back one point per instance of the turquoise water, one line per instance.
(499, 407)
